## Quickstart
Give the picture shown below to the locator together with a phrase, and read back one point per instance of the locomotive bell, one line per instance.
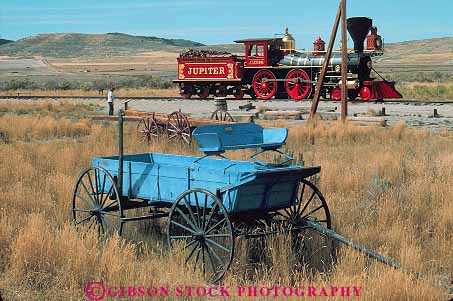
(288, 41)
(319, 46)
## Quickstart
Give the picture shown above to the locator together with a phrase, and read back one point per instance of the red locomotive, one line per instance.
(274, 68)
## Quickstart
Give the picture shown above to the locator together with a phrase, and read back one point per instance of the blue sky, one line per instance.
(215, 22)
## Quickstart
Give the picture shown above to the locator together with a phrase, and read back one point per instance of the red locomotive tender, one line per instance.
(273, 67)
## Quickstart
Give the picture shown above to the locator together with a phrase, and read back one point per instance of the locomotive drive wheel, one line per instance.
(95, 202)
(296, 89)
(309, 246)
(178, 127)
(148, 129)
(199, 221)
(222, 115)
(264, 84)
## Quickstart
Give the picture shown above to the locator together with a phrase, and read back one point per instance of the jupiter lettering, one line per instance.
(206, 70)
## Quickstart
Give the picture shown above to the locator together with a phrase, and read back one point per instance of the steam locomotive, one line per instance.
(272, 67)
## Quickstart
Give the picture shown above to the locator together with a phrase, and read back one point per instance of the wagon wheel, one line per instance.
(308, 245)
(95, 202)
(264, 84)
(222, 115)
(204, 92)
(148, 129)
(199, 220)
(296, 89)
(178, 127)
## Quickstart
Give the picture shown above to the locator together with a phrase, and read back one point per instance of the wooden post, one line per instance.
(320, 82)
(344, 64)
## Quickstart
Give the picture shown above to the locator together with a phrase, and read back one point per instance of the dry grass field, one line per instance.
(388, 188)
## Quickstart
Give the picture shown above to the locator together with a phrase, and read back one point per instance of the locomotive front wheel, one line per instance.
(264, 84)
(308, 244)
(199, 221)
(295, 87)
(222, 115)
(178, 127)
(148, 129)
(95, 202)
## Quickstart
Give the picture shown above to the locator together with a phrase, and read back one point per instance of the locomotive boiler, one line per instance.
(272, 67)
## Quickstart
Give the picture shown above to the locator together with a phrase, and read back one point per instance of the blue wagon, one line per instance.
(209, 200)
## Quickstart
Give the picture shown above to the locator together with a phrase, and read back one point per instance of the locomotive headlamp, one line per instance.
(338, 68)
(369, 64)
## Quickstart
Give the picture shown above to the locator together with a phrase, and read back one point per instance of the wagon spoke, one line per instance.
(110, 205)
(89, 203)
(197, 209)
(216, 225)
(218, 235)
(308, 202)
(111, 214)
(185, 139)
(82, 210)
(212, 214)
(186, 218)
(96, 185)
(191, 213)
(301, 197)
(211, 263)
(86, 190)
(313, 211)
(196, 258)
(203, 261)
(191, 253)
(217, 257)
(92, 188)
(217, 245)
(108, 223)
(101, 224)
(182, 226)
(204, 210)
(83, 220)
(181, 237)
(103, 186)
(189, 244)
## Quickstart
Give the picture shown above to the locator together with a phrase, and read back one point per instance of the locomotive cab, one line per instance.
(261, 52)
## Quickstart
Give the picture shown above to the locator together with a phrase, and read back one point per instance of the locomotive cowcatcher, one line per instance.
(272, 67)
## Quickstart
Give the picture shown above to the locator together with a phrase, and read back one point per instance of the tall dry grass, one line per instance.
(389, 189)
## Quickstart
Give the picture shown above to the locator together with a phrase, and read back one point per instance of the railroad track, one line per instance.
(166, 98)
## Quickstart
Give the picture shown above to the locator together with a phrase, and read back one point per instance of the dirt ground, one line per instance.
(414, 115)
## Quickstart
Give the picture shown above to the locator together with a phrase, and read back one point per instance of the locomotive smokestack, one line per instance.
(358, 28)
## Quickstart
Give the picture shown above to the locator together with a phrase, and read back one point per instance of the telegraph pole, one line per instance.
(341, 13)
(344, 64)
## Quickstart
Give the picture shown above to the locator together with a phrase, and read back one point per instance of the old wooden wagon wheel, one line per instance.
(222, 115)
(201, 223)
(178, 127)
(147, 128)
(95, 202)
(308, 244)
